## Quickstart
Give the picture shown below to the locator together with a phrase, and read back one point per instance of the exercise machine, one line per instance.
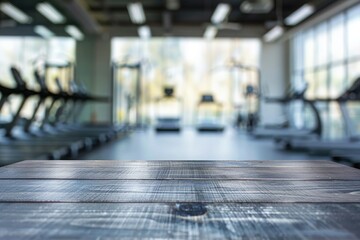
(168, 117)
(250, 82)
(352, 141)
(289, 131)
(209, 115)
(63, 141)
(128, 100)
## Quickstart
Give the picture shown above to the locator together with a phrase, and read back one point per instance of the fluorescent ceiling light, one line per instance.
(210, 32)
(136, 13)
(172, 4)
(144, 32)
(274, 34)
(256, 6)
(74, 32)
(48, 11)
(221, 12)
(43, 31)
(15, 13)
(300, 15)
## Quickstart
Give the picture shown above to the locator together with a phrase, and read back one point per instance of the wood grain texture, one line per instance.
(175, 164)
(178, 191)
(179, 200)
(163, 221)
(335, 172)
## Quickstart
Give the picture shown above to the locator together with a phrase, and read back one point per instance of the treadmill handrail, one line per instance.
(16, 76)
(335, 100)
(318, 130)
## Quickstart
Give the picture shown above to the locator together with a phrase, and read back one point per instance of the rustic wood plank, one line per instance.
(178, 190)
(167, 173)
(168, 221)
(175, 164)
(179, 199)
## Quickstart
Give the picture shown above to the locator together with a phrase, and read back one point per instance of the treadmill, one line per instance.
(71, 104)
(13, 149)
(281, 134)
(56, 145)
(71, 109)
(168, 112)
(209, 115)
(349, 156)
(346, 146)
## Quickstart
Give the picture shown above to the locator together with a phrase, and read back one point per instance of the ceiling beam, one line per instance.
(79, 11)
(247, 31)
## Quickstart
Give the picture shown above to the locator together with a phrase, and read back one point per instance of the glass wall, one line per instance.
(327, 57)
(193, 66)
(28, 53)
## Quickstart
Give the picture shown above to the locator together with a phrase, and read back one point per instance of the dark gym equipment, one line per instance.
(249, 118)
(50, 140)
(282, 134)
(133, 98)
(252, 118)
(351, 143)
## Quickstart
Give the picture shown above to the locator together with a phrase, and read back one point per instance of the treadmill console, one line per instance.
(207, 98)
(169, 92)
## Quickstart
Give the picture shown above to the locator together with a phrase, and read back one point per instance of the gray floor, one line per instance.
(191, 145)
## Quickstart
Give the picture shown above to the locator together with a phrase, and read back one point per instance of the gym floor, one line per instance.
(191, 145)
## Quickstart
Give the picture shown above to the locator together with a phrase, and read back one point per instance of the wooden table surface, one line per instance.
(179, 199)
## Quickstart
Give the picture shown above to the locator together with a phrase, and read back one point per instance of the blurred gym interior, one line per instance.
(187, 82)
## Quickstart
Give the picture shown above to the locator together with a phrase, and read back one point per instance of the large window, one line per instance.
(194, 66)
(327, 57)
(26, 53)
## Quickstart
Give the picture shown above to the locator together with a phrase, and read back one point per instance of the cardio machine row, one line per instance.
(312, 139)
(57, 135)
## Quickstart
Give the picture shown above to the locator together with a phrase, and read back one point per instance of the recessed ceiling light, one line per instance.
(299, 15)
(221, 12)
(74, 32)
(136, 13)
(15, 13)
(50, 12)
(144, 32)
(256, 6)
(172, 4)
(43, 31)
(274, 34)
(210, 32)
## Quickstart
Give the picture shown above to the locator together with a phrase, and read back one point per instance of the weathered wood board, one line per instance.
(179, 200)
(168, 173)
(172, 191)
(166, 221)
(175, 164)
